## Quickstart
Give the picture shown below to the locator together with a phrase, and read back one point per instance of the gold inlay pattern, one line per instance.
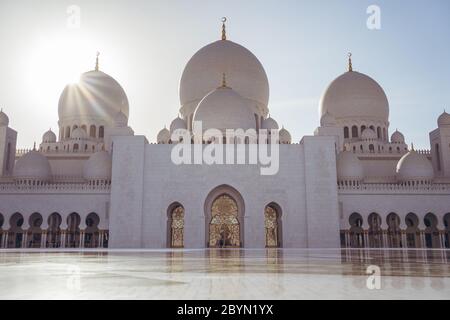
(271, 225)
(177, 234)
(224, 228)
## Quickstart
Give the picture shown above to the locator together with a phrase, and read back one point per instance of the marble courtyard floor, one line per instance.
(224, 274)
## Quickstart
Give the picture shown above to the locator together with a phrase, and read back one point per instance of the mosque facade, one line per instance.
(351, 183)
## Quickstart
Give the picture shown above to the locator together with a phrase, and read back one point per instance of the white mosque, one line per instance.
(99, 185)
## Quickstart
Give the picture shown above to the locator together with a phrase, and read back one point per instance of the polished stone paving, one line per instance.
(225, 274)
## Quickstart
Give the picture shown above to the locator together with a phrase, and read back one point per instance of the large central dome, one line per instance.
(245, 75)
(96, 96)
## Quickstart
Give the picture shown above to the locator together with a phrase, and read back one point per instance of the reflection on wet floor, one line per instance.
(224, 274)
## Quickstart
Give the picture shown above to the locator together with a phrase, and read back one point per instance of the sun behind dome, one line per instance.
(97, 96)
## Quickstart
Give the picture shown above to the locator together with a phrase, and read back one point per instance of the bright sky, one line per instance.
(302, 44)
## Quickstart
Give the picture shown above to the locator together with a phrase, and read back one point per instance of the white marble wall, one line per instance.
(146, 182)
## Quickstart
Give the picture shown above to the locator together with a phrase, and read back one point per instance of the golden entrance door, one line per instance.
(224, 229)
(177, 228)
(271, 225)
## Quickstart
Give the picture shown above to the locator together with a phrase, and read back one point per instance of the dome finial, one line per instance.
(96, 61)
(224, 80)
(224, 31)
(350, 65)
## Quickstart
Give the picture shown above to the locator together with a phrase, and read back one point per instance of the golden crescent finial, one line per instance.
(224, 31)
(96, 61)
(224, 80)
(350, 65)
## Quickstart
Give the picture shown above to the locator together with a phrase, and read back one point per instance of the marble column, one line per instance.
(63, 238)
(44, 239)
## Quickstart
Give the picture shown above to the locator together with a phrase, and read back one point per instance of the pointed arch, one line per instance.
(224, 210)
(175, 225)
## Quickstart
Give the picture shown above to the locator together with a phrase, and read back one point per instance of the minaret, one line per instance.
(440, 146)
(8, 141)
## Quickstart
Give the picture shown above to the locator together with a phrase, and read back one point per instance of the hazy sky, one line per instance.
(303, 45)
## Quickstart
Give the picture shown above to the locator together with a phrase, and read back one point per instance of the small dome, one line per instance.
(98, 167)
(78, 134)
(414, 167)
(49, 137)
(224, 109)
(349, 167)
(163, 136)
(177, 124)
(354, 95)
(397, 137)
(369, 134)
(120, 120)
(269, 124)
(285, 136)
(444, 119)
(33, 165)
(4, 120)
(327, 120)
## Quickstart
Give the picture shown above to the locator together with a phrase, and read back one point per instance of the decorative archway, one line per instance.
(394, 232)
(224, 218)
(73, 230)
(34, 233)
(15, 233)
(92, 233)
(431, 231)
(447, 230)
(375, 232)
(412, 231)
(175, 226)
(54, 230)
(224, 228)
(356, 231)
(272, 224)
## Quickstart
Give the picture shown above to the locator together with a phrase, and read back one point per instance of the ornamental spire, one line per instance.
(224, 80)
(96, 61)
(350, 65)
(224, 31)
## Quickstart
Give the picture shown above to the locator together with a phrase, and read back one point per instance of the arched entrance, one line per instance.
(272, 224)
(175, 226)
(431, 231)
(92, 233)
(73, 230)
(356, 231)
(224, 227)
(412, 231)
(375, 232)
(447, 231)
(54, 231)
(394, 232)
(34, 233)
(15, 235)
